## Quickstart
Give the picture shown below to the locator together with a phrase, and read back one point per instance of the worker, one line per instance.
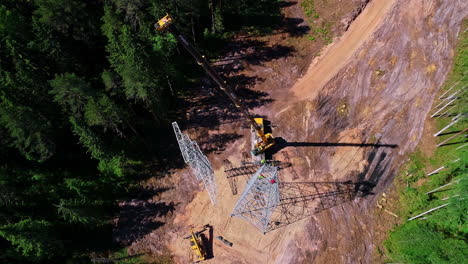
(261, 176)
(272, 181)
(263, 161)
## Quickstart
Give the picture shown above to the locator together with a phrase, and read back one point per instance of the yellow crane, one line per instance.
(266, 139)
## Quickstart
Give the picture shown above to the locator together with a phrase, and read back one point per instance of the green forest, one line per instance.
(88, 91)
(441, 235)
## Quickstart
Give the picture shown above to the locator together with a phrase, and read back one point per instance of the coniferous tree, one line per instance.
(32, 238)
(29, 130)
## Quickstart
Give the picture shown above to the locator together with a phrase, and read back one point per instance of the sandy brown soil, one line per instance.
(338, 54)
(352, 117)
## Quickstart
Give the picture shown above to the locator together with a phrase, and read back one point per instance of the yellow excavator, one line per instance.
(266, 139)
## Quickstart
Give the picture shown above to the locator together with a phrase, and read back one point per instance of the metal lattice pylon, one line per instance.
(198, 162)
(260, 197)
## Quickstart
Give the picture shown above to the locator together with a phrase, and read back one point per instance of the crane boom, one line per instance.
(267, 139)
(214, 75)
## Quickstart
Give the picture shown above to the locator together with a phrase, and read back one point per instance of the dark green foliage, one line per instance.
(140, 59)
(81, 211)
(453, 219)
(441, 236)
(62, 16)
(418, 242)
(70, 92)
(35, 239)
(29, 131)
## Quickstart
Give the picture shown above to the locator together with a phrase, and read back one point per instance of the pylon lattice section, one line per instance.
(260, 197)
(198, 162)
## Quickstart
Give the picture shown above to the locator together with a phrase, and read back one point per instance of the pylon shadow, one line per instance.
(245, 170)
(299, 200)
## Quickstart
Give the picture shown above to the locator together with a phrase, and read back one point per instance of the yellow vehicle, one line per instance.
(196, 243)
(163, 23)
(267, 140)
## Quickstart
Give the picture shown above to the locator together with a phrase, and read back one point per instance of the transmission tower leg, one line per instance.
(259, 198)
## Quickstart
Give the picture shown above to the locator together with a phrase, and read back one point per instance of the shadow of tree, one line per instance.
(210, 107)
(138, 218)
(293, 28)
(282, 4)
(299, 200)
(217, 142)
(265, 20)
(454, 143)
(145, 193)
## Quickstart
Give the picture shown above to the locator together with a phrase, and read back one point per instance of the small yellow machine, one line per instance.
(267, 140)
(163, 23)
(196, 243)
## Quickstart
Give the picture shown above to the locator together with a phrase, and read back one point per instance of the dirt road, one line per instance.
(349, 121)
(336, 56)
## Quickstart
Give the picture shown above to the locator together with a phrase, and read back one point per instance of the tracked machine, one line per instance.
(197, 245)
(261, 141)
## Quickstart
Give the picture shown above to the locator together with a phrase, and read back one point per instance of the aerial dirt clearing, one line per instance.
(345, 127)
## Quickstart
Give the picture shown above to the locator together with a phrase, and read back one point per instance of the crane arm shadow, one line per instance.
(281, 143)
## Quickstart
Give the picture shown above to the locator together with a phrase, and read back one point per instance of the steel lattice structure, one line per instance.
(198, 162)
(260, 197)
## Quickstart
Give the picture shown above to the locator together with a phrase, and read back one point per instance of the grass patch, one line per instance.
(317, 32)
(441, 236)
(309, 9)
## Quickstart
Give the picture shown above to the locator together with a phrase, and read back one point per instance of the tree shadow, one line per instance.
(160, 153)
(209, 107)
(282, 4)
(265, 21)
(252, 51)
(293, 28)
(145, 193)
(299, 200)
(449, 133)
(447, 114)
(454, 143)
(138, 218)
(217, 142)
